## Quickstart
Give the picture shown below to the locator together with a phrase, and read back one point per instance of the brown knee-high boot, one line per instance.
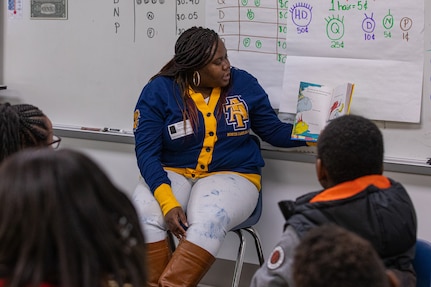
(158, 255)
(188, 265)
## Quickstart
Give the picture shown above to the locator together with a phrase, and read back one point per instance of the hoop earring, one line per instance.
(196, 78)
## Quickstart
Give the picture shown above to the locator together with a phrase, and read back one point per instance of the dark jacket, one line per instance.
(384, 216)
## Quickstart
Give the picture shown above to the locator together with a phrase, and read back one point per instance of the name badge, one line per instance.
(180, 129)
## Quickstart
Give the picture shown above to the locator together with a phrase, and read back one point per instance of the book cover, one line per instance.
(317, 105)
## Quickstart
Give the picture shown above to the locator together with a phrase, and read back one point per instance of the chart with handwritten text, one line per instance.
(378, 45)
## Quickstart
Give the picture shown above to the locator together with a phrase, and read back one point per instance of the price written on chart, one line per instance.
(187, 14)
(258, 27)
(151, 16)
(373, 24)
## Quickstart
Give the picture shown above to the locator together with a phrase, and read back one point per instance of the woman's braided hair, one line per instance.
(194, 49)
(21, 126)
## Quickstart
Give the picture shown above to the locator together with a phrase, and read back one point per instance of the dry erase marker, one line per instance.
(111, 130)
(91, 129)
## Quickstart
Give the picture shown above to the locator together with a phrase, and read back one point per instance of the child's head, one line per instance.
(23, 126)
(349, 147)
(64, 222)
(331, 256)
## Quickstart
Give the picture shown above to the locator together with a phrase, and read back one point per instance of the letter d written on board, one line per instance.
(220, 14)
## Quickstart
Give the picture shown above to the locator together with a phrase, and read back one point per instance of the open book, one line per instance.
(317, 105)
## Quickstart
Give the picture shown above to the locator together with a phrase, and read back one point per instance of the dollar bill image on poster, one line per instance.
(48, 9)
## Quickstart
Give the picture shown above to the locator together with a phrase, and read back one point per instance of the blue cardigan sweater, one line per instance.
(220, 143)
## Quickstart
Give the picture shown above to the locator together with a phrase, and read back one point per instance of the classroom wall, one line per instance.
(87, 71)
(282, 179)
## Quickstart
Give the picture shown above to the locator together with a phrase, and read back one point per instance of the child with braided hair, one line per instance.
(23, 126)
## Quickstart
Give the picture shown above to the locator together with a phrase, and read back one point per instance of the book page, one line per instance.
(312, 111)
(340, 101)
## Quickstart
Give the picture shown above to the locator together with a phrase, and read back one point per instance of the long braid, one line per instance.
(21, 126)
(9, 125)
(194, 49)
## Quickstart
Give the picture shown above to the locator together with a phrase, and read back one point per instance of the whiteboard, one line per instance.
(88, 70)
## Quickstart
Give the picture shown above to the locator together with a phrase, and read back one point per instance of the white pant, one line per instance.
(213, 204)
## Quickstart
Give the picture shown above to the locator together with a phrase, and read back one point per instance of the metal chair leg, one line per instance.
(241, 251)
(239, 259)
(257, 242)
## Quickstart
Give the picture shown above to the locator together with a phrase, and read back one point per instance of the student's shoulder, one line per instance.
(280, 259)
